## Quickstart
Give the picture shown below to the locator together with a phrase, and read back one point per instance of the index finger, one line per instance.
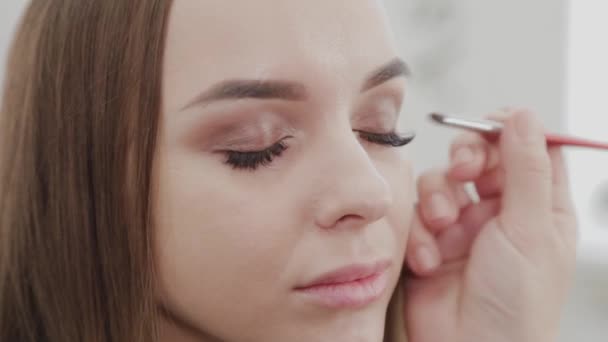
(472, 154)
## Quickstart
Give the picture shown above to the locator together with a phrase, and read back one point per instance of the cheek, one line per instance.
(401, 212)
(213, 235)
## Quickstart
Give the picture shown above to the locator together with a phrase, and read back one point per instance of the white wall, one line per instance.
(9, 15)
(475, 56)
(587, 116)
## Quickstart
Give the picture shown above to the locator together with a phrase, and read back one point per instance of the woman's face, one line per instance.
(282, 211)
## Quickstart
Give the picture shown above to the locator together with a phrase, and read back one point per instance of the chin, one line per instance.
(363, 325)
(361, 328)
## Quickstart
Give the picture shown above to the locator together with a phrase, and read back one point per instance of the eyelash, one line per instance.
(391, 139)
(252, 160)
(240, 160)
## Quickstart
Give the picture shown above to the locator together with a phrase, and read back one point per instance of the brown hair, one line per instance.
(79, 119)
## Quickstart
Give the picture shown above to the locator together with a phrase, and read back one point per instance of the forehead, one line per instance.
(212, 40)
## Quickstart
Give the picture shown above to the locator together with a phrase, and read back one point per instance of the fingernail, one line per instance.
(463, 198)
(529, 130)
(463, 155)
(427, 260)
(439, 206)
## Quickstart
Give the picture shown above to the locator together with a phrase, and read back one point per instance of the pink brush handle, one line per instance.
(560, 140)
(564, 140)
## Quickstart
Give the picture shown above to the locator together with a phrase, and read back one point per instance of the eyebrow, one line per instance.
(393, 69)
(288, 90)
(257, 89)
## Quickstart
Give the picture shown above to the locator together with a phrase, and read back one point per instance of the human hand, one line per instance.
(498, 269)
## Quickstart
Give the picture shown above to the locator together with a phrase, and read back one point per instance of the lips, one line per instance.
(348, 287)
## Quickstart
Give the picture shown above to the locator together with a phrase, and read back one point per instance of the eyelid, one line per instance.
(251, 138)
(256, 149)
(391, 94)
(378, 114)
(245, 143)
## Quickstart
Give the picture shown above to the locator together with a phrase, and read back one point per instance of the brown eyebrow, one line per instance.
(395, 68)
(287, 90)
(240, 89)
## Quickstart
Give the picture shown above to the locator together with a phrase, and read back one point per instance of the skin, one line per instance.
(232, 245)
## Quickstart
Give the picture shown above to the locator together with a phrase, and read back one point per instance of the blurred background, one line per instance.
(470, 57)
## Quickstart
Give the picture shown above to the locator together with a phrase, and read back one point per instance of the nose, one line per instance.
(353, 192)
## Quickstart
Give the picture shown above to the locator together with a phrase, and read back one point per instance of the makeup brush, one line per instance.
(492, 129)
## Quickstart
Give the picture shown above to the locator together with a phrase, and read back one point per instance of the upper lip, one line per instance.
(348, 273)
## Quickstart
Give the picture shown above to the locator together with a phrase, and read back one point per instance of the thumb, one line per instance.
(527, 198)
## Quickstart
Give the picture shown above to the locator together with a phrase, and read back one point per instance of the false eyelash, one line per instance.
(254, 159)
(389, 139)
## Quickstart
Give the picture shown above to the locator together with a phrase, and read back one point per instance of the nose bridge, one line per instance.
(352, 188)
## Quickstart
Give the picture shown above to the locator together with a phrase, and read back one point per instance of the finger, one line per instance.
(474, 158)
(527, 194)
(476, 216)
(439, 205)
(463, 197)
(561, 187)
(491, 184)
(563, 208)
(422, 254)
(470, 156)
(502, 115)
(456, 241)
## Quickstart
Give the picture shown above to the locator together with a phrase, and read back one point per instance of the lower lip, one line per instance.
(352, 294)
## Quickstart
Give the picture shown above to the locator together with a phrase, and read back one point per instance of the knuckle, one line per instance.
(470, 140)
(501, 115)
(430, 180)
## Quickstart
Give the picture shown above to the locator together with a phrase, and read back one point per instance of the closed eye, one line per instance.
(251, 160)
(391, 139)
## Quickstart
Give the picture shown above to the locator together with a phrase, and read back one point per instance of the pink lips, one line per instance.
(349, 287)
